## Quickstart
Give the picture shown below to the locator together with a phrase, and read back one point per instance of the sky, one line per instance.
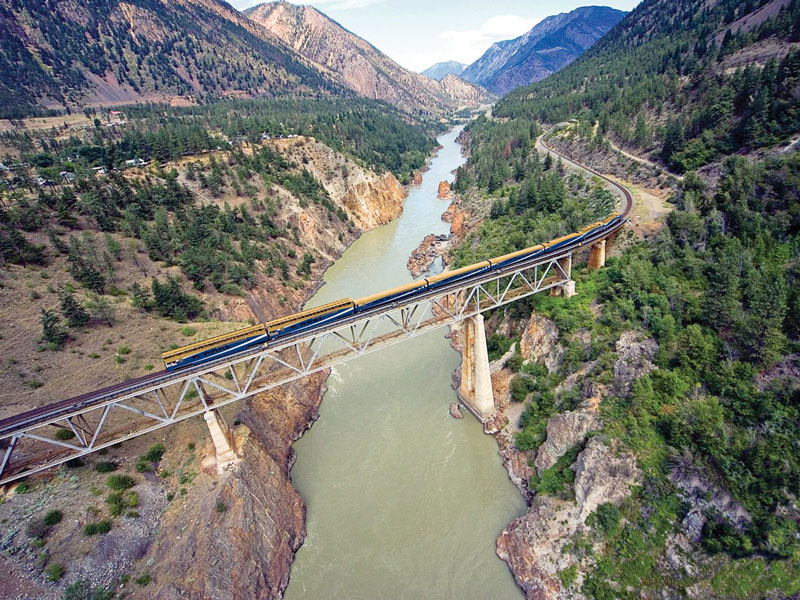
(419, 33)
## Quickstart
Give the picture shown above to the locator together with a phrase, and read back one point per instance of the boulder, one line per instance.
(635, 355)
(455, 411)
(602, 476)
(564, 431)
(444, 190)
(540, 342)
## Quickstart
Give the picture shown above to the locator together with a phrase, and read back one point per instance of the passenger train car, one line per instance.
(328, 314)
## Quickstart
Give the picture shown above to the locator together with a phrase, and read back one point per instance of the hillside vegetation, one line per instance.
(666, 80)
(714, 293)
(65, 53)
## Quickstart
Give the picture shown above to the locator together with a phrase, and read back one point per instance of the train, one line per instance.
(329, 314)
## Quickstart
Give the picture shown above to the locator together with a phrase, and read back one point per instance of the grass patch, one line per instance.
(188, 331)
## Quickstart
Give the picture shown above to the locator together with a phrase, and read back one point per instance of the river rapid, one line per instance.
(403, 500)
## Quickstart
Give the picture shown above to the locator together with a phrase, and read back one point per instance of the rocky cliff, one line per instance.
(548, 47)
(361, 67)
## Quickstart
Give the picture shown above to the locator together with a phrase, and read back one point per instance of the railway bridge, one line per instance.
(34, 441)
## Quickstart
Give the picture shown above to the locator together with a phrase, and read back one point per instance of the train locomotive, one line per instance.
(328, 314)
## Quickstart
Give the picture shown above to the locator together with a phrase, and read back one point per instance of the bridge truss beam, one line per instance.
(137, 412)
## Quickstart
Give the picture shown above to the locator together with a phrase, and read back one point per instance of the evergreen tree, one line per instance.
(72, 310)
(53, 333)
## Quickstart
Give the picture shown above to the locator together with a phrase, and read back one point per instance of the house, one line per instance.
(135, 162)
(67, 176)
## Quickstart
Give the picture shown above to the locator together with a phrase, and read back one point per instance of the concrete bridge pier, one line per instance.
(223, 439)
(568, 288)
(475, 391)
(597, 255)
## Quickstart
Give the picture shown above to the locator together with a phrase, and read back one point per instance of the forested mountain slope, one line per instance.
(64, 53)
(660, 404)
(689, 80)
(546, 48)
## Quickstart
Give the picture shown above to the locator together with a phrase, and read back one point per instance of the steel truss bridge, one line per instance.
(35, 440)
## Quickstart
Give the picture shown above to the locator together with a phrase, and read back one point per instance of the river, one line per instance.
(403, 500)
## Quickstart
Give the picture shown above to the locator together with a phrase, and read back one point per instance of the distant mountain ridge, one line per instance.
(545, 49)
(442, 69)
(361, 66)
(109, 51)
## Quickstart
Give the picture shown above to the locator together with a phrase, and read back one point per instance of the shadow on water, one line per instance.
(403, 501)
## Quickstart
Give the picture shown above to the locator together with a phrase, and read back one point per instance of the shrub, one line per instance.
(120, 482)
(221, 507)
(143, 465)
(106, 466)
(64, 434)
(143, 579)
(155, 452)
(124, 350)
(52, 518)
(606, 519)
(100, 527)
(188, 331)
(36, 529)
(54, 572)
(22, 488)
(82, 590)
(568, 576)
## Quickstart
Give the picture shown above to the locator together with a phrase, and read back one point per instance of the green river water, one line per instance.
(403, 500)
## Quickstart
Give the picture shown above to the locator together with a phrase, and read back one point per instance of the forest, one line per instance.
(373, 133)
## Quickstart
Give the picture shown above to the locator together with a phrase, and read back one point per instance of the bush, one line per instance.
(100, 527)
(22, 488)
(106, 466)
(155, 453)
(221, 507)
(606, 519)
(120, 482)
(82, 590)
(64, 435)
(52, 518)
(36, 529)
(54, 572)
(143, 465)
(143, 580)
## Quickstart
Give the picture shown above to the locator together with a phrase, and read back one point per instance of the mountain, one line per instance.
(548, 47)
(109, 51)
(362, 67)
(692, 86)
(439, 70)
(463, 92)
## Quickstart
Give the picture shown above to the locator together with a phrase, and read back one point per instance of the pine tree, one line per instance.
(52, 331)
(73, 311)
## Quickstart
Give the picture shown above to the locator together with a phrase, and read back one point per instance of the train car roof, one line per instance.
(510, 255)
(395, 290)
(212, 341)
(311, 311)
(461, 271)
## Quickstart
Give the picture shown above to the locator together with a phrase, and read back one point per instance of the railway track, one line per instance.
(64, 410)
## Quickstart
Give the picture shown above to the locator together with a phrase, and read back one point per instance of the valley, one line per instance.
(625, 428)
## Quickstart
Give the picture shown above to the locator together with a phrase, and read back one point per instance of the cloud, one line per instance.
(468, 45)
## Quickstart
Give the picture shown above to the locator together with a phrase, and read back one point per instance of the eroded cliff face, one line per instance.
(246, 550)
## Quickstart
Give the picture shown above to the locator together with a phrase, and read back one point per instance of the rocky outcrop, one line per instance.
(602, 476)
(263, 523)
(455, 411)
(444, 190)
(370, 199)
(533, 545)
(635, 355)
(431, 247)
(564, 431)
(540, 342)
(462, 92)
